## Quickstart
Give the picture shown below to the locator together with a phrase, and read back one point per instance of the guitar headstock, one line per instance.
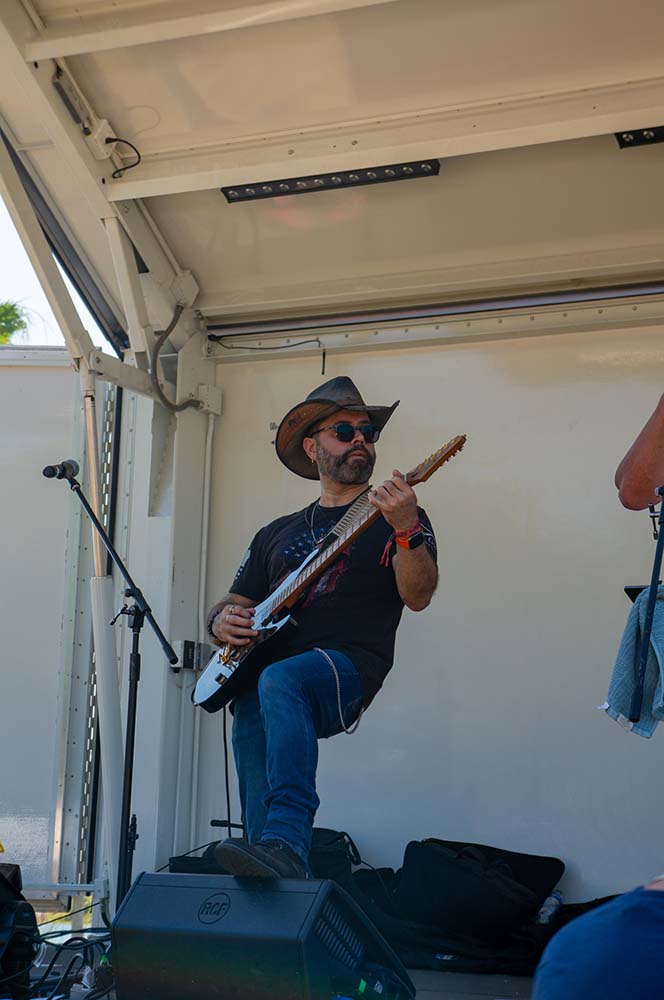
(427, 468)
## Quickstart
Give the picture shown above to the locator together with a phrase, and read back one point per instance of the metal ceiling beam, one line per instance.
(32, 236)
(149, 23)
(141, 334)
(575, 269)
(439, 132)
(503, 324)
(171, 283)
(69, 253)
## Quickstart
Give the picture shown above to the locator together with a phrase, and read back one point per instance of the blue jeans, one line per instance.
(276, 729)
(611, 953)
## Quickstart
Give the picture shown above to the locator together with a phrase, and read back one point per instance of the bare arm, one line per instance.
(230, 620)
(417, 576)
(642, 469)
(415, 570)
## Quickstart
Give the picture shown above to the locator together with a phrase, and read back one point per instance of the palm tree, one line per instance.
(13, 318)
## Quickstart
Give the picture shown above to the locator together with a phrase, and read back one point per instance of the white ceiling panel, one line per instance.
(394, 59)
(517, 99)
(503, 218)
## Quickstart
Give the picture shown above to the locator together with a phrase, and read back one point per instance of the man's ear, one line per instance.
(309, 445)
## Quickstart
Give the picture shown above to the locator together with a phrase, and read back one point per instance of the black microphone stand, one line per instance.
(137, 613)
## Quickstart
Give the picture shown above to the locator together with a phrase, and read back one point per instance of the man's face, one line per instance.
(347, 462)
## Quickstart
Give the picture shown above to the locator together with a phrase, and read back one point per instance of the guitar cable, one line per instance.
(226, 775)
(353, 728)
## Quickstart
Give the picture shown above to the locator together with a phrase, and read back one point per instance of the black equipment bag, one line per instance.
(332, 855)
(472, 891)
(206, 864)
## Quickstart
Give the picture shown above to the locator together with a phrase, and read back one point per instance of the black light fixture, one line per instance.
(71, 99)
(640, 136)
(327, 182)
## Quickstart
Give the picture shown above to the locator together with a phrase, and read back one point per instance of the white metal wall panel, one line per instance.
(38, 399)
(487, 728)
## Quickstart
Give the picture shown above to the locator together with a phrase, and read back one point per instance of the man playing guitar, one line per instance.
(314, 680)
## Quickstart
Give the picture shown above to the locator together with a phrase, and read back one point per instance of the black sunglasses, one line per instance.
(346, 432)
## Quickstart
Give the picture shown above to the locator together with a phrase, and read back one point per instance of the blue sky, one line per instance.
(19, 283)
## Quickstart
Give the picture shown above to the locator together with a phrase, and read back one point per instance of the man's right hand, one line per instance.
(233, 625)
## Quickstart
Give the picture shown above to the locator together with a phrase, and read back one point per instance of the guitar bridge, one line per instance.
(226, 653)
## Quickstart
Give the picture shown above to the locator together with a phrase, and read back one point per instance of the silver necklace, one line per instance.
(310, 521)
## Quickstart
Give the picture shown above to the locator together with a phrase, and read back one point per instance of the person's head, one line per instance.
(343, 446)
(332, 433)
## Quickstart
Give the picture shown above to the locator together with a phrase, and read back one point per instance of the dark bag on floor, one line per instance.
(472, 891)
(332, 854)
(421, 946)
(206, 864)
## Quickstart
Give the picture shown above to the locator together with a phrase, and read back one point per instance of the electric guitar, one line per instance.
(224, 676)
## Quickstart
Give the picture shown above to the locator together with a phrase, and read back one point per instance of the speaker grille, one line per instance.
(337, 936)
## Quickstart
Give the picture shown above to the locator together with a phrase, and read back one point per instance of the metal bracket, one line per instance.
(192, 655)
(125, 375)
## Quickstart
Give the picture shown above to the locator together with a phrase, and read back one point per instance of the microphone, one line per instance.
(64, 470)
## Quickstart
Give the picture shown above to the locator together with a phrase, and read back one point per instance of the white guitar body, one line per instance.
(220, 670)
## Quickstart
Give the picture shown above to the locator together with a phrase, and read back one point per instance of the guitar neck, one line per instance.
(360, 520)
(287, 597)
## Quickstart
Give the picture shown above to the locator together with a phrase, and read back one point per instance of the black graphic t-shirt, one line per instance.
(353, 606)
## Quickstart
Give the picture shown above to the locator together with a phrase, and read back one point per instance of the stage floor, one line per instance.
(456, 986)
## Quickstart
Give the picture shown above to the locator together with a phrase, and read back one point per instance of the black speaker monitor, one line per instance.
(177, 937)
(18, 934)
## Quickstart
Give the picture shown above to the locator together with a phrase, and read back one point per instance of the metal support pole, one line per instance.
(92, 448)
(76, 336)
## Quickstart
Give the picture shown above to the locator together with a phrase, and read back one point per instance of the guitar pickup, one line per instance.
(226, 671)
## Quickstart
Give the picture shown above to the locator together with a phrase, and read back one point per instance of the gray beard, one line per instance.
(337, 468)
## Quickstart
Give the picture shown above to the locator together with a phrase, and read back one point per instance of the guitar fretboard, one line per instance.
(354, 521)
(357, 518)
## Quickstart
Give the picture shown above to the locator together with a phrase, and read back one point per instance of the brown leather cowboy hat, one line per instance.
(338, 394)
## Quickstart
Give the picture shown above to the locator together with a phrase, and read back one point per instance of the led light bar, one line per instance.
(640, 136)
(328, 182)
